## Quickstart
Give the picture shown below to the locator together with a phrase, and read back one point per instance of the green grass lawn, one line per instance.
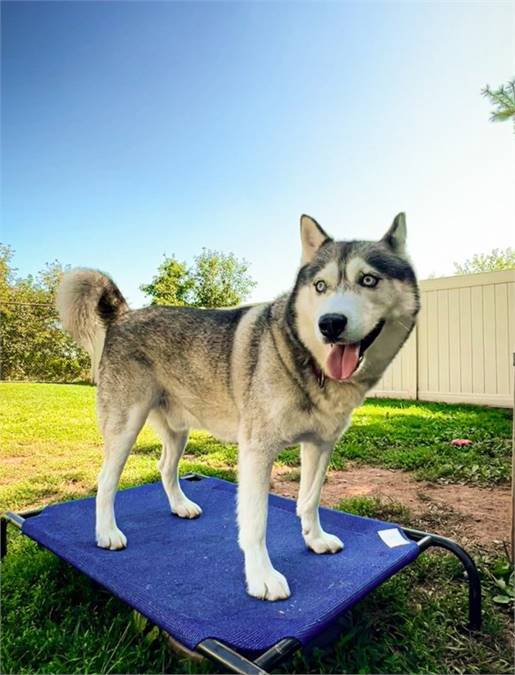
(50, 447)
(56, 621)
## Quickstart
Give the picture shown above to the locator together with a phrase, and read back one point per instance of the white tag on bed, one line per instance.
(392, 537)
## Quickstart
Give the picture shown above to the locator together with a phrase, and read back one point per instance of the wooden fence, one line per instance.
(461, 349)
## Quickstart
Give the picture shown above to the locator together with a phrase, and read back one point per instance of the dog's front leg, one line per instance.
(263, 581)
(314, 462)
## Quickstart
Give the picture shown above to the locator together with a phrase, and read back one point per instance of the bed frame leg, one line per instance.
(228, 658)
(277, 653)
(3, 536)
(237, 663)
(426, 540)
(16, 519)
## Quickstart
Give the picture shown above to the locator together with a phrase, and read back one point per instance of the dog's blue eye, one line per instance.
(321, 286)
(369, 281)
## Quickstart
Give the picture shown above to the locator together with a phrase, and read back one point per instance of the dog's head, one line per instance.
(347, 291)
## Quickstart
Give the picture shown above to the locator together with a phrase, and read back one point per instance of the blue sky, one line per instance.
(130, 130)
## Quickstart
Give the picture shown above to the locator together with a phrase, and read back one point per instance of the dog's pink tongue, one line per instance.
(342, 361)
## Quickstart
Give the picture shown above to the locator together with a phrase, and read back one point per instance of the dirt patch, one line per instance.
(467, 513)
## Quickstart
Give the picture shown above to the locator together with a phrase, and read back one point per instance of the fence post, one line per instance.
(513, 470)
(417, 347)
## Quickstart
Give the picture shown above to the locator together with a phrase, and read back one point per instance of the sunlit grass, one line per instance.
(51, 449)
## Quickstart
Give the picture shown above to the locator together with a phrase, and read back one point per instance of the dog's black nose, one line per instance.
(332, 326)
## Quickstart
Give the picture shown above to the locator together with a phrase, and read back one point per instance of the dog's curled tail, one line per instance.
(88, 302)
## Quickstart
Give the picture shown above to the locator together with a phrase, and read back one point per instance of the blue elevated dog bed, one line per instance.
(186, 576)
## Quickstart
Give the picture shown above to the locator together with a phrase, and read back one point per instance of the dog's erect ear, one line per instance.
(395, 238)
(312, 237)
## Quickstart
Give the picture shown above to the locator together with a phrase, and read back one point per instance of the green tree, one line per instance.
(220, 280)
(503, 99)
(497, 259)
(7, 271)
(32, 344)
(172, 284)
(215, 280)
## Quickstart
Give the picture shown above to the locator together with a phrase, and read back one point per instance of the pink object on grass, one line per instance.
(461, 441)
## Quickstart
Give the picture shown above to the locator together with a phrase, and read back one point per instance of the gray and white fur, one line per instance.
(256, 375)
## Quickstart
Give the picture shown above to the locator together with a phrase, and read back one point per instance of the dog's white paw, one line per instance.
(325, 543)
(185, 508)
(113, 539)
(268, 585)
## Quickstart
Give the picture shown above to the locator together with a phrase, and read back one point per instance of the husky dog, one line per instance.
(265, 376)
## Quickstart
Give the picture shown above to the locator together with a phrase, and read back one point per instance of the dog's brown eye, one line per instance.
(321, 286)
(369, 281)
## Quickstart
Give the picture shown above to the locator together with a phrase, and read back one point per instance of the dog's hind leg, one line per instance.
(314, 462)
(263, 581)
(174, 443)
(120, 432)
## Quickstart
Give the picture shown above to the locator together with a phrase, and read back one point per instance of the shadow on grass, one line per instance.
(153, 449)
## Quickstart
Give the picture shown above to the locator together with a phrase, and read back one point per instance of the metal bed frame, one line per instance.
(236, 662)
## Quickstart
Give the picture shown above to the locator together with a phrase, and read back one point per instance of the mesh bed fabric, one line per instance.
(186, 576)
